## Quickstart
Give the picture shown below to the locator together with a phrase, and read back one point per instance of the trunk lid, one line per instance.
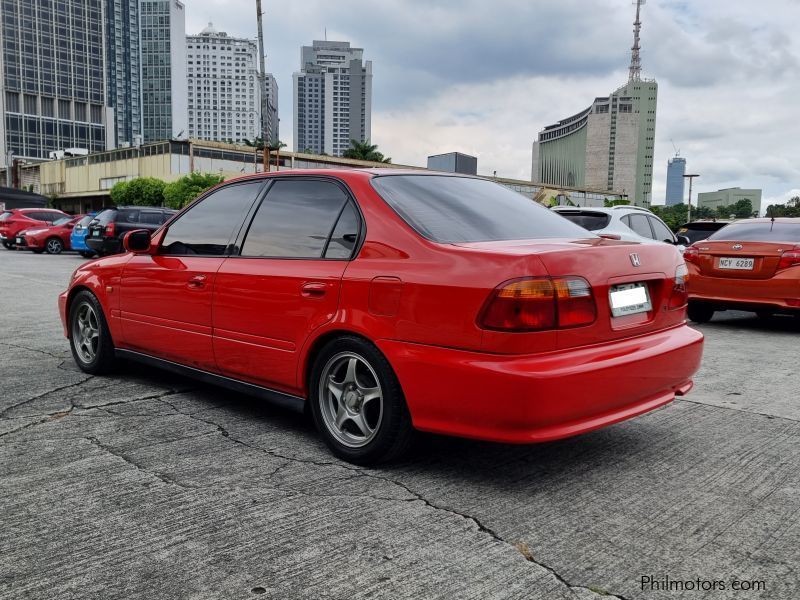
(740, 260)
(609, 266)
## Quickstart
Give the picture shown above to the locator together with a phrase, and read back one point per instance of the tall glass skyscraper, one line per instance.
(676, 168)
(123, 67)
(164, 86)
(52, 88)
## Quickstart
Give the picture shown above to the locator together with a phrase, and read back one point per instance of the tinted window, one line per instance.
(592, 221)
(208, 226)
(345, 234)
(150, 217)
(84, 221)
(105, 217)
(62, 221)
(295, 219)
(662, 232)
(51, 217)
(459, 209)
(127, 215)
(640, 225)
(699, 231)
(167, 215)
(759, 232)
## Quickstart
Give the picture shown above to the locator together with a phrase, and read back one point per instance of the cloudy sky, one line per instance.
(484, 77)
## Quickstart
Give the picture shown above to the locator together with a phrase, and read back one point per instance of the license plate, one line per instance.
(19, 240)
(738, 264)
(96, 233)
(629, 299)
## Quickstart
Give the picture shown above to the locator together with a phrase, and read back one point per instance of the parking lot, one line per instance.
(149, 485)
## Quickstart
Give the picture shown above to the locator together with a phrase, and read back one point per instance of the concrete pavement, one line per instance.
(149, 485)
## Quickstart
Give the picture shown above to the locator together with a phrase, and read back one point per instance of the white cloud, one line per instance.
(484, 77)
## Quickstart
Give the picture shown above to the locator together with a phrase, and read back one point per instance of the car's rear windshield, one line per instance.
(699, 231)
(85, 221)
(593, 221)
(104, 217)
(759, 232)
(451, 209)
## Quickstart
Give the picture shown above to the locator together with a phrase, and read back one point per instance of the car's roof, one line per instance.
(787, 220)
(350, 173)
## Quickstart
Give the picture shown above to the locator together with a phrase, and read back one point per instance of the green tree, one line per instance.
(365, 151)
(141, 191)
(181, 192)
(790, 209)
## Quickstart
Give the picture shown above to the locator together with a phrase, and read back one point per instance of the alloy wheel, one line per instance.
(86, 333)
(351, 399)
(54, 246)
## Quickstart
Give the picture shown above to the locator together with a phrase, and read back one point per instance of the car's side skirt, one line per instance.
(282, 399)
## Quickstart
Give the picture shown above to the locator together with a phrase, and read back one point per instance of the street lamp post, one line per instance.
(689, 212)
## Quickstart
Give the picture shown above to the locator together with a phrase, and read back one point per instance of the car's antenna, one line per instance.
(772, 217)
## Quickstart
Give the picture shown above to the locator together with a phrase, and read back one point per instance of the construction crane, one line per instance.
(677, 150)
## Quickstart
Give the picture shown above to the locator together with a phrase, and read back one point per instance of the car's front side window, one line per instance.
(208, 226)
(295, 220)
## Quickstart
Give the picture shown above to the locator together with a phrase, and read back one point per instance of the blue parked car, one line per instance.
(77, 238)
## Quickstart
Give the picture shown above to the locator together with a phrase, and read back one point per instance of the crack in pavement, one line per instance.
(60, 357)
(43, 394)
(741, 410)
(415, 496)
(158, 475)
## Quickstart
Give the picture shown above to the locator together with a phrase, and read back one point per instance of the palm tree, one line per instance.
(365, 151)
(276, 147)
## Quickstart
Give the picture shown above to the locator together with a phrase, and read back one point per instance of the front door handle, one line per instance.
(313, 289)
(196, 281)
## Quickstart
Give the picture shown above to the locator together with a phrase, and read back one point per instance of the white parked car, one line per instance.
(624, 222)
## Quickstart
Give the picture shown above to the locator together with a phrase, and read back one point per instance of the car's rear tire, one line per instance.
(86, 254)
(54, 246)
(89, 336)
(700, 312)
(357, 403)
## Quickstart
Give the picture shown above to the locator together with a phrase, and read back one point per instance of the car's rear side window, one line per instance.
(639, 224)
(295, 219)
(150, 217)
(593, 221)
(206, 228)
(104, 217)
(759, 232)
(451, 209)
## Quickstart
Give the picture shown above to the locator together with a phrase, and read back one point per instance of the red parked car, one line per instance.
(53, 239)
(752, 265)
(389, 301)
(15, 220)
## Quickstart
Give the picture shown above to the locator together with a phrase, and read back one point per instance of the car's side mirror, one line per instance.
(137, 241)
(683, 240)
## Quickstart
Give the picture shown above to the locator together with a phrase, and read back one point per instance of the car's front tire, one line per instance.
(700, 312)
(8, 245)
(54, 246)
(89, 337)
(358, 404)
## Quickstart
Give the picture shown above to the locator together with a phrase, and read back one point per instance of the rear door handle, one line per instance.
(313, 289)
(196, 281)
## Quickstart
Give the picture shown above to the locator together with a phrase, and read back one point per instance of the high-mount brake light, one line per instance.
(539, 303)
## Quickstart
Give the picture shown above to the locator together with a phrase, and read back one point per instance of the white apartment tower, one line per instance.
(224, 91)
(332, 98)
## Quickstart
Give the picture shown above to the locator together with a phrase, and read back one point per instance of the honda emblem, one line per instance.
(635, 260)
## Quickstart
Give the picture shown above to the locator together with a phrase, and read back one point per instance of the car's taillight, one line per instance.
(691, 254)
(534, 304)
(680, 294)
(109, 230)
(789, 258)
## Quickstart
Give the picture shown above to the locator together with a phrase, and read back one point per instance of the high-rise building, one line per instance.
(163, 54)
(53, 84)
(608, 146)
(123, 68)
(676, 168)
(332, 98)
(273, 121)
(224, 92)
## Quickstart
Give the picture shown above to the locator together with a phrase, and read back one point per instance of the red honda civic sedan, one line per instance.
(390, 301)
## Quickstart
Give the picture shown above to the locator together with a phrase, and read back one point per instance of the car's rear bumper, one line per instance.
(781, 291)
(104, 245)
(538, 398)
